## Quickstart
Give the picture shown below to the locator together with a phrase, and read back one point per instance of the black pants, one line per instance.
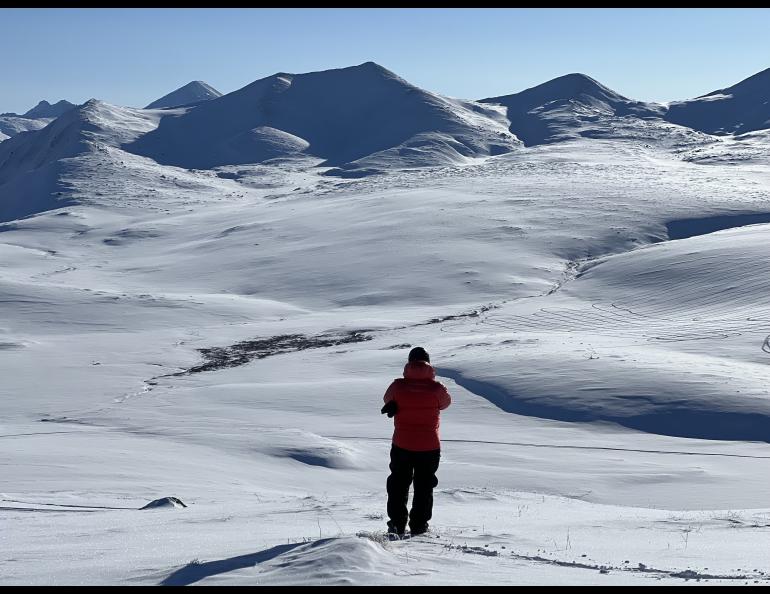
(406, 467)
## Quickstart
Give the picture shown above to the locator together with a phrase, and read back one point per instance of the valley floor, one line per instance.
(610, 407)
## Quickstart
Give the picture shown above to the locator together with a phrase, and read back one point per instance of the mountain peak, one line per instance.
(578, 78)
(573, 86)
(377, 69)
(577, 83)
(365, 68)
(193, 92)
(563, 107)
(340, 115)
(372, 66)
(48, 110)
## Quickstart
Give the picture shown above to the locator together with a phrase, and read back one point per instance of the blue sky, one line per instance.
(133, 56)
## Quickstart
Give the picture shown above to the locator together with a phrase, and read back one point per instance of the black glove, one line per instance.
(390, 408)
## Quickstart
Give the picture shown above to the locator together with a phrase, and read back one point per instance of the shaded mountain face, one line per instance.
(338, 115)
(47, 110)
(561, 108)
(193, 92)
(744, 107)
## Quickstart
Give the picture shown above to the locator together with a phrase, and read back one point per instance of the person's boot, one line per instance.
(419, 529)
(395, 530)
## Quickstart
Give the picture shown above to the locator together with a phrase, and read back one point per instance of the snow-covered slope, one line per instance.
(635, 336)
(738, 109)
(32, 164)
(525, 277)
(193, 92)
(597, 307)
(38, 117)
(567, 107)
(748, 148)
(11, 125)
(341, 116)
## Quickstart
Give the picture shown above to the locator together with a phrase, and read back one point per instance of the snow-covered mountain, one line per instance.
(743, 107)
(32, 165)
(38, 117)
(193, 92)
(87, 127)
(363, 117)
(48, 110)
(568, 107)
(350, 116)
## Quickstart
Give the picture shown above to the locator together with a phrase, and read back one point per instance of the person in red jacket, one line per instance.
(415, 401)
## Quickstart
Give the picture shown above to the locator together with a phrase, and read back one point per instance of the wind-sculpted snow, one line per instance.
(335, 561)
(633, 338)
(332, 561)
(339, 115)
(311, 449)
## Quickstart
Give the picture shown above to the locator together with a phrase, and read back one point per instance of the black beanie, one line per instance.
(419, 354)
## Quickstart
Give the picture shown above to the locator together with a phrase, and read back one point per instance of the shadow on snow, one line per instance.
(195, 572)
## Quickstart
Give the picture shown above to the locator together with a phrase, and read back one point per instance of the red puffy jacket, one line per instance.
(419, 398)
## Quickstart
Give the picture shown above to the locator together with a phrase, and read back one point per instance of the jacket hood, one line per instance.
(419, 370)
